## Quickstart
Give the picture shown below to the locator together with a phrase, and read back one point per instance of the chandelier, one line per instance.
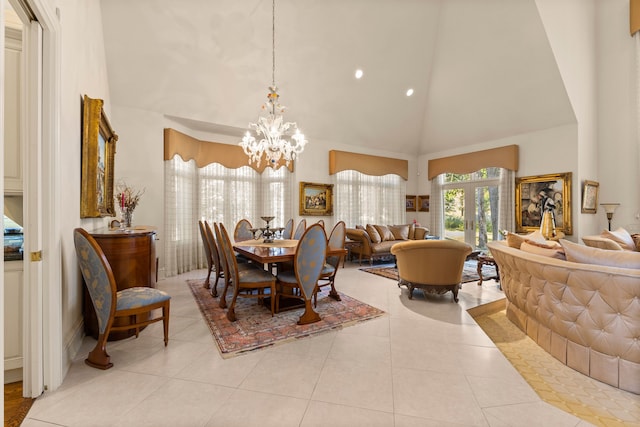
(272, 131)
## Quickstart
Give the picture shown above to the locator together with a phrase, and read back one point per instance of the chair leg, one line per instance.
(309, 315)
(214, 286)
(223, 297)
(273, 297)
(98, 357)
(206, 281)
(231, 314)
(165, 322)
(455, 293)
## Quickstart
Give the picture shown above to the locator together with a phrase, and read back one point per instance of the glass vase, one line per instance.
(127, 217)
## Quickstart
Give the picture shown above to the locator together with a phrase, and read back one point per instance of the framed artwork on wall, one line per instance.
(410, 204)
(98, 152)
(590, 197)
(535, 194)
(316, 199)
(423, 203)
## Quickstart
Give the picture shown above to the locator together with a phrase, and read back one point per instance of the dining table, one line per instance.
(278, 251)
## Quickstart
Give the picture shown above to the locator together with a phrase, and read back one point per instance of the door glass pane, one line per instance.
(454, 220)
(486, 218)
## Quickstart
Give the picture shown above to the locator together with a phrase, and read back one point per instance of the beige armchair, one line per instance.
(432, 265)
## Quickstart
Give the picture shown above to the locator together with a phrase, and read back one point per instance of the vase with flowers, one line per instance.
(127, 198)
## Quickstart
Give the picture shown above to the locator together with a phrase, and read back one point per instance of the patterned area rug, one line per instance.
(255, 328)
(469, 274)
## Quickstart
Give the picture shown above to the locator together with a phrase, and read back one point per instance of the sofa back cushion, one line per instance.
(384, 232)
(373, 234)
(621, 237)
(400, 232)
(550, 249)
(589, 255)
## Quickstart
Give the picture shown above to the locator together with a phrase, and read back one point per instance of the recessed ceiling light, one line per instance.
(359, 74)
(409, 92)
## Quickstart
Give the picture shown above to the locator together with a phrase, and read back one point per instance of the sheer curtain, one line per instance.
(436, 227)
(506, 212)
(364, 199)
(216, 194)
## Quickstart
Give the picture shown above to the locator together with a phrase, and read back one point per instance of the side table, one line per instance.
(348, 245)
(486, 259)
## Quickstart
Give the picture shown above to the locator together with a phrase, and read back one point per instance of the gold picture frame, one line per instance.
(423, 203)
(590, 197)
(98, 153)
(316, 199)
(410, 204)
(534, 193)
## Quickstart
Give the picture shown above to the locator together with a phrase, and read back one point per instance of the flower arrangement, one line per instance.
(127, 198)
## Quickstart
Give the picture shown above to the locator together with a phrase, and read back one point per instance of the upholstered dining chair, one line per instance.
(307, 265)
(321, 222)
(215, 258)
(432, 265)
(224, 264)
(288, 229)
(109, 303)
(328, 274)
(207, 254)
(302, 225)
(243, 231)
(245, 281)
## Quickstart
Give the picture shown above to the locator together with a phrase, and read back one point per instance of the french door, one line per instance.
(471, 212)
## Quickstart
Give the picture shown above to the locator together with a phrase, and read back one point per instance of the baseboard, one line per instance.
(72, 346)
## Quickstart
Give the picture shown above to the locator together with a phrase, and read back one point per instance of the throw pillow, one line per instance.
(514, 240)
(597, 256)
(412, 231)
(636, 239)
(384, 232)
(545, 250)
(373, 234)
(400, 232)
(621, 237)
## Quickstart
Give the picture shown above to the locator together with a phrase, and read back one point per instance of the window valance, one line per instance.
(370, 165)
(503, 157)
(206, 152)
(634, 16)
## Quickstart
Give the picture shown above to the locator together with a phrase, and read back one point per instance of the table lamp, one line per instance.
(609, 209)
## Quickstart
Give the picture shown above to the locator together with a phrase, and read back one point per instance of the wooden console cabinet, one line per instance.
(132, 256)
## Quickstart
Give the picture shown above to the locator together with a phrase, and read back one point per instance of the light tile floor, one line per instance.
(425, 363)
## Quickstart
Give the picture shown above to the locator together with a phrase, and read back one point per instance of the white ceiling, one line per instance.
(481, 69)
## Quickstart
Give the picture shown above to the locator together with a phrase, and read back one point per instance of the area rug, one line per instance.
(256, 328)
(469, 274)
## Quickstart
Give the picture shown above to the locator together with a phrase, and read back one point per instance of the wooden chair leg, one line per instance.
(206, 281)
(231, 314)
(98, 357)
(165, 322)
(223, 297)
(309, 315)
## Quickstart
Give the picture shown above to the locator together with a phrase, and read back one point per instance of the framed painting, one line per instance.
(98, 152)
(410, 204)
(316, 199)
(535, 194)
(423, 203)
(590, 197)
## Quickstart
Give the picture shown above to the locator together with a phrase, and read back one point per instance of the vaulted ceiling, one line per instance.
(481, 70)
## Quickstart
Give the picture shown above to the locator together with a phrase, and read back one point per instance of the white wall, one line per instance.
(84, 71)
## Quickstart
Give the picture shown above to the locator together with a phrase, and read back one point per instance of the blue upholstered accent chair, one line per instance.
(244, 281)
(307, 266)
(287, 233)
(328, 274)
(302, 225)
(110, 303)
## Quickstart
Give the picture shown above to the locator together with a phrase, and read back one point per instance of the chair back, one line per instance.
(321, 222)
(98, 277)
(288, 230)
(302, 225)
(243, 231)
(309, 259)
(206, 244)
(336, 240)
(213, 245)
(225, 243)
(433, 262)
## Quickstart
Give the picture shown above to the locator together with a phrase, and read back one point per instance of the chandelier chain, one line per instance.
(273, 42)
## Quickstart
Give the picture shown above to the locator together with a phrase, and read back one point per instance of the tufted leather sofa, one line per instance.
(586, 316)
(369, 249)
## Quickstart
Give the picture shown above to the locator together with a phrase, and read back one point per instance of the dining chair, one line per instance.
(328, 274)
(288, 229)
(243, 231)
(135, 304)
(207, 254)
(321, 222)
(307, 265)
(215, 258)
(302, 226)
(246, 281)
(224, 265)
